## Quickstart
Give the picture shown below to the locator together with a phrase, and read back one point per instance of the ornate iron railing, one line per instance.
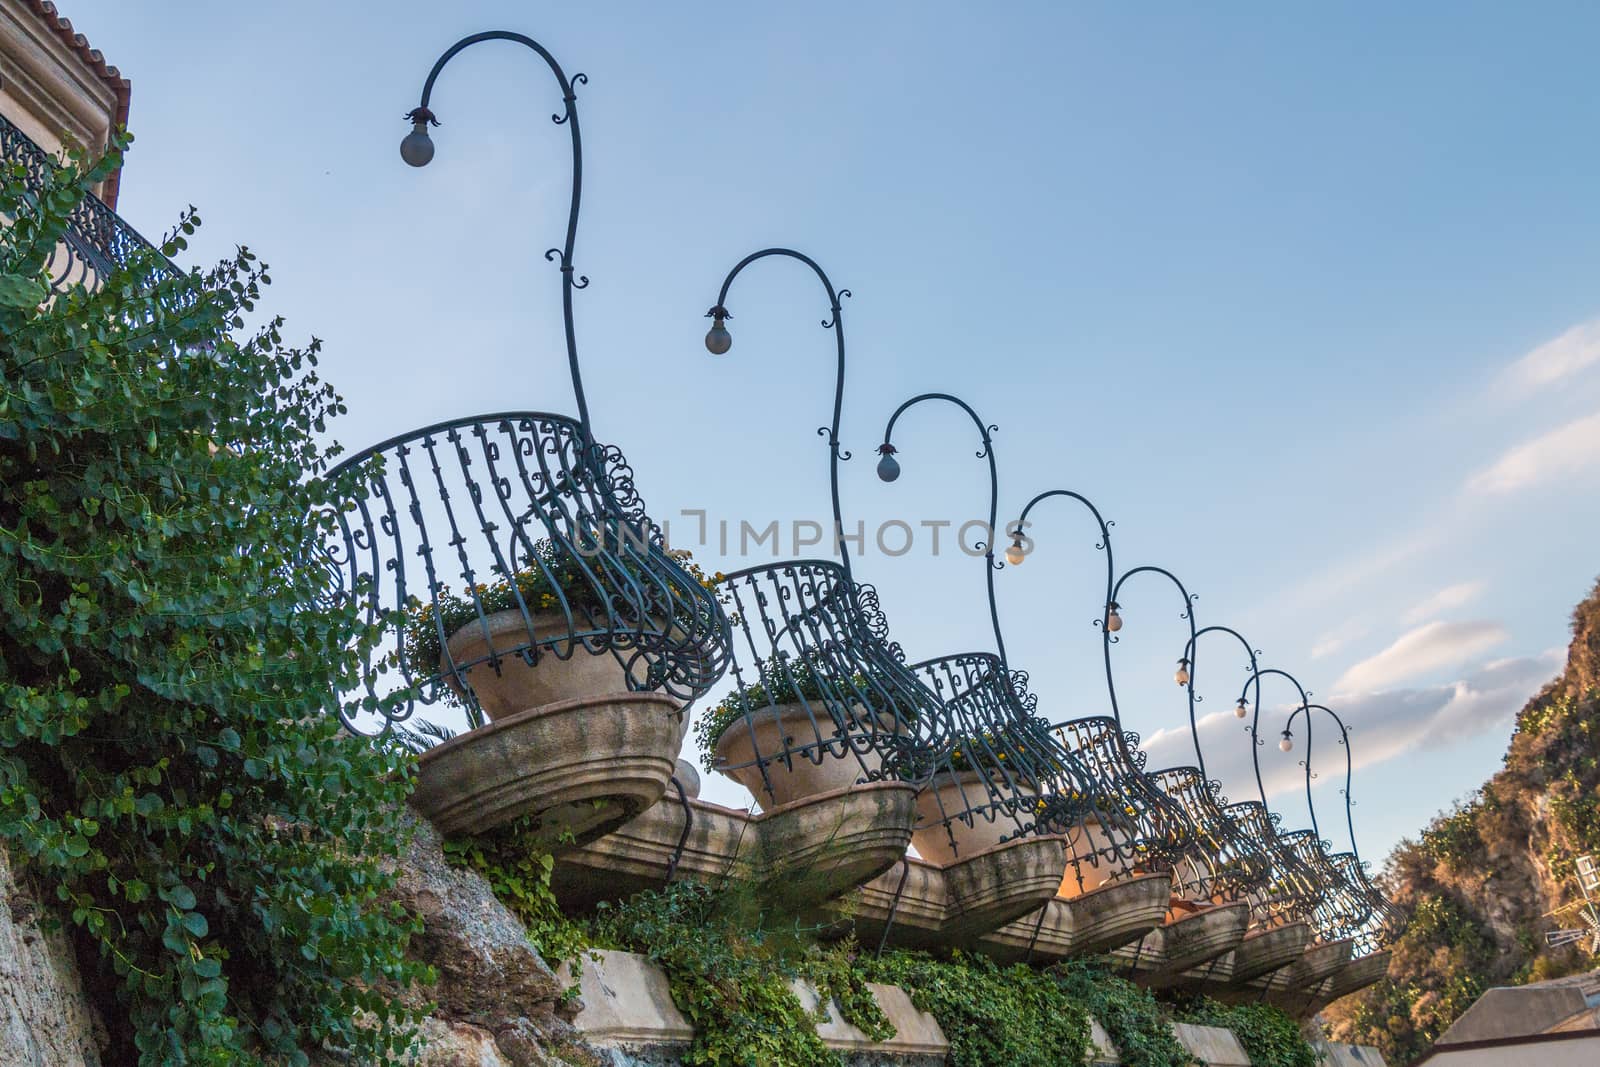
(1342, 908)
(97, 241)
(1293, 892)
(816, 681)
(1386, 919)
(1225, 864)
(998, 763)
(1161, 831)
(1045, 783)
(499, 543)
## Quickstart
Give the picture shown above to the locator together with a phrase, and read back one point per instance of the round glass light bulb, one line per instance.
(1015, 555)
(1287, 743)
(417, 147)
(888, 467)
(1240, 710)
(1181, 675)
(718, 339)
(1113, 620)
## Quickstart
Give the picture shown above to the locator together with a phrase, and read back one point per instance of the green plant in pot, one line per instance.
(984, 791)
(536, 636)
(789, 718)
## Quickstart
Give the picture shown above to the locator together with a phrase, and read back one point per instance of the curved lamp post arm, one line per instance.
(889, 470)
(1185, 674)
(417, 150)
(719, 340)
(1241, 708)
(1109, 621)
(1254, 682)
(1349, 765)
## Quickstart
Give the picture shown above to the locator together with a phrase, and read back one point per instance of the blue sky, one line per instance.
(1303, 298)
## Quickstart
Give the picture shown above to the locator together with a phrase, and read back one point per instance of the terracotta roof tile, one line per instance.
(46, 10)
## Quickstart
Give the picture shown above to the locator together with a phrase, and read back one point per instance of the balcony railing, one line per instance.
(97, 240)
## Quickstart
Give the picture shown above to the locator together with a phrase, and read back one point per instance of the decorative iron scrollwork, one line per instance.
(548, 564)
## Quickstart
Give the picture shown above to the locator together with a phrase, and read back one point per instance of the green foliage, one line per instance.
(1132, 1018)
(1270, 1038)
(1446, 955)
(1453, 838)
(730, 976)
(555, 581)
(168, 766)
(518, 872)
(778, 682)
(991, 1014)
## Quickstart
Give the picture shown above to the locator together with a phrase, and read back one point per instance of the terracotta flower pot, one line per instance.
(580, 768)
(810, 769)
(943, 835)
(517, 685)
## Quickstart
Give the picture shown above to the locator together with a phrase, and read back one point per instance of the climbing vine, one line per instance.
(1270, 1038)
(1134, 1020)
(518, 872)
(169, 772)
(730, 975)
(991, 1014)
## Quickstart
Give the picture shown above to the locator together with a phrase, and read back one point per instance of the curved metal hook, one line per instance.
(1188, 659)
(570, 120)
(835, 454)
(1107, 638)
(986, 452)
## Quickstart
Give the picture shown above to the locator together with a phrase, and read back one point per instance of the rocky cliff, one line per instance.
(1484, 877)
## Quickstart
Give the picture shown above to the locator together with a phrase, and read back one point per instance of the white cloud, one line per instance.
(1564, 451)
(1338, 637)
(1427, 648)
(1383, 725)
(1557, 359)
(1326, 582)
(1447, 599)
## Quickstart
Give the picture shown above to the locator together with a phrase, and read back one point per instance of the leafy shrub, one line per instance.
(778, 682)
(730, 975)
(169, 655)
(1133, 1019)
(1270, 1038)
(991, 1014)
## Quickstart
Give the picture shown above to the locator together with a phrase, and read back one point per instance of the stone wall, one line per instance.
(45, 1020)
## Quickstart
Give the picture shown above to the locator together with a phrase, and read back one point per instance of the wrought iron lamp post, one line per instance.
(555, 556)
(417, 150)
(1091, 779)
(1000, 775)
(1385, 921)
(1111, 752)
(1343, 907)
(1289, 891)
(1228, 863)
(830, 690)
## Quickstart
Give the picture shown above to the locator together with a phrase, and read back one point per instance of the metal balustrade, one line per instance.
(97, 240)
(498, 543)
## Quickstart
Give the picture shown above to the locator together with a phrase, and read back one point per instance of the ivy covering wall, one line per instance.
(169, 772)
(729, 964)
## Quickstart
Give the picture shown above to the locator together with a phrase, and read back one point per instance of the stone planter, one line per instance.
(831, 843)
(947, 832)
(918, 905)
(798, 854)
(1159, 960)
(580, 767)
(517, 686)
(1086, 839)
(809, 770)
